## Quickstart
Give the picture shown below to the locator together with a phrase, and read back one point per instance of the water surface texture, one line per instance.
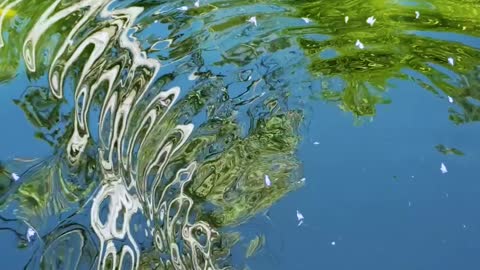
(209, 134)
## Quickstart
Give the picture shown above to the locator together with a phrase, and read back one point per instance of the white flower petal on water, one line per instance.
(451, 61)
(197, 3)
(253, 20)
(417, 14)
(359, 44)
(346, 19)
(450, 99)
(267, 181)
(300, 218)
(371, 20)
(192, 76)
(184, 8)
(15, 176)
(30, 234)
(306, 20)
(443, 168)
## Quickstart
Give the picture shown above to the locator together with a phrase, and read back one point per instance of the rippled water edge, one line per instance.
(189, 120)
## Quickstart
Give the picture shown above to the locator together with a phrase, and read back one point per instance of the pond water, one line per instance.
(210, 134)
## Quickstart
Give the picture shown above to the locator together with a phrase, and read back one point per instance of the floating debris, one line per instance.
(303, 180)
(300, 218)
(443, 168)
(197, 3)
(417, 14)
(184, 8)
(451, 61)
(253, 20)
(267, 181)
(255, 245)
(333, 243)
(316, 143)
(15, 176)
(371, 20)
(30, 234)
(450, 99)
(448, 151)
(306, 20)
(359, 44)
(346, 19)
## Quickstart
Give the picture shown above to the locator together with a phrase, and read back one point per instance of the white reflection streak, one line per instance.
(121, 128)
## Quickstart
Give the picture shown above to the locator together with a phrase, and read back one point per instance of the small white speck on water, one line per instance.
(464, 226)
(30, 234)
(306, 20)
(346, 19)
(267, 181)
(156, 21)
(183, 8)
(371, 20)
(15, 176)
(451, 61)
(253, 20)
(303, 180)
(316, 143)
(443, 168)
(359, 45)
(192, 76)
(450, 99)
(333, 243)
(417, 14)
(300, 218)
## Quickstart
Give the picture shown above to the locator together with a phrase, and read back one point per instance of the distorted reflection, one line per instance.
(171, 125)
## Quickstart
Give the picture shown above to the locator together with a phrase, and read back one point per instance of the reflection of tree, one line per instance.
(392, 50)
(232, 158)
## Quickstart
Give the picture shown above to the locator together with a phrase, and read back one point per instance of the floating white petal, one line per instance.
(450, 99)
(371, 20)
(184, 8)
(267, 181)
(30, 234)
(451, 61)
(300, 218)
(15, 176)
(253, 20)
(306, 20)
(359, 44)
(417, 14)
(346, 19)
(443, 168)
(192, 76)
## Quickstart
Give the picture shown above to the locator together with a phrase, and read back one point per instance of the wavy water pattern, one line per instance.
(164, 117)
